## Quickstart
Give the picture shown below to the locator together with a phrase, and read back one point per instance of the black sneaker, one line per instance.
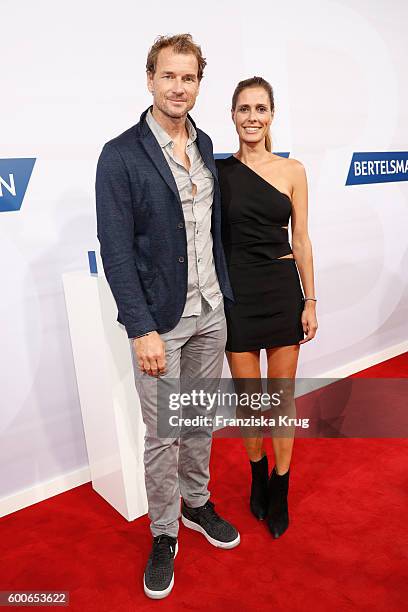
(159, 573)
(205, 520)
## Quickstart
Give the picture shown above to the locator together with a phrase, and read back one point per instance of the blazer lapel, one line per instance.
(154, 151)
(208, 159)
(205, 153)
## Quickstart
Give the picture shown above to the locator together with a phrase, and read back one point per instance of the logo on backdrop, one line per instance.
(378, 168)
(14, 177)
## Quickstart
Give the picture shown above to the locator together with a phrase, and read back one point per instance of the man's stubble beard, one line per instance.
(172, 114)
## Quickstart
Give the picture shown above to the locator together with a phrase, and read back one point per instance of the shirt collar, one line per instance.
(162, 136)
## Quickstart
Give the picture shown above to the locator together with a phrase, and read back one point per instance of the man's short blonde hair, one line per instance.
(180, 43)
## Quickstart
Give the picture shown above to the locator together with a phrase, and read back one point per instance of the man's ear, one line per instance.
(150, 82)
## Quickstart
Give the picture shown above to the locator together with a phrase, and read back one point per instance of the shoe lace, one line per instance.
(163, 549)
(209, 514)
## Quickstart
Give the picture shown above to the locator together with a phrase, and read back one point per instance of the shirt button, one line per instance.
(181, 259)
(180, 225)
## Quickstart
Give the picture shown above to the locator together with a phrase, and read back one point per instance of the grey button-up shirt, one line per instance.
(202, 277)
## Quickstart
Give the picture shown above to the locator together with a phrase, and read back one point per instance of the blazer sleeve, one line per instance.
(115, 232)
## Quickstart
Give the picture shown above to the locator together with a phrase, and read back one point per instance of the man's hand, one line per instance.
(151, 354)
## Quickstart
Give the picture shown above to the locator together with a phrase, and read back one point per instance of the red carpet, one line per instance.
(346, 547)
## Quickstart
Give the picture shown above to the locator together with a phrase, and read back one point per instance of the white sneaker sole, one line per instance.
(165, 592)
(213, 541)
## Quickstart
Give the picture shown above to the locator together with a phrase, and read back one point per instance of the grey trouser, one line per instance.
(177, 466)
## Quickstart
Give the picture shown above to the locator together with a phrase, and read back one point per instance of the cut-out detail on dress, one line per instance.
(290, 256)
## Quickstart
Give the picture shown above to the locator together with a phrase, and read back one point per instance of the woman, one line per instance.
(260, 192)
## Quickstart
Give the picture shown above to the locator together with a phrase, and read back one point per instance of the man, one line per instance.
(159, 226)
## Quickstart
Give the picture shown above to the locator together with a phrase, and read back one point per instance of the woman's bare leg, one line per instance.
(282, 363)
(247, 365)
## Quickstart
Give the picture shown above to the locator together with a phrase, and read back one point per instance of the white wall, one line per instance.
(72, 77)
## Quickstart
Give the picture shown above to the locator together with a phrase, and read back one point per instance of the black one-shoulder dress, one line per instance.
(268, 295)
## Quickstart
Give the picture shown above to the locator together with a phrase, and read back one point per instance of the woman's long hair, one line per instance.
(256, 81)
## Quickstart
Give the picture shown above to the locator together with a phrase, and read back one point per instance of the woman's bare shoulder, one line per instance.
(295, 170)
(287, 162)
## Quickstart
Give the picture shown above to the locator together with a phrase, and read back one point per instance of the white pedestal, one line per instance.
(110, 406)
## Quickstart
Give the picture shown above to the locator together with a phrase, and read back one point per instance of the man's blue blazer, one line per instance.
(140, 227)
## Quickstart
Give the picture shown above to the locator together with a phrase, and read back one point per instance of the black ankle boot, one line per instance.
(278, 516)
(259, 488)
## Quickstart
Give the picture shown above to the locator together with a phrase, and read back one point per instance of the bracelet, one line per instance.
(313, 299)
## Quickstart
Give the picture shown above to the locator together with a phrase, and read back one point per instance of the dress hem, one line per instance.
(259, 348)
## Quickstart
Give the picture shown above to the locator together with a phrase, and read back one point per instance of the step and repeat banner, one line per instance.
(73, 77)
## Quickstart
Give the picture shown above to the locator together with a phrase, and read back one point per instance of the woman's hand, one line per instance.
(309, 321)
